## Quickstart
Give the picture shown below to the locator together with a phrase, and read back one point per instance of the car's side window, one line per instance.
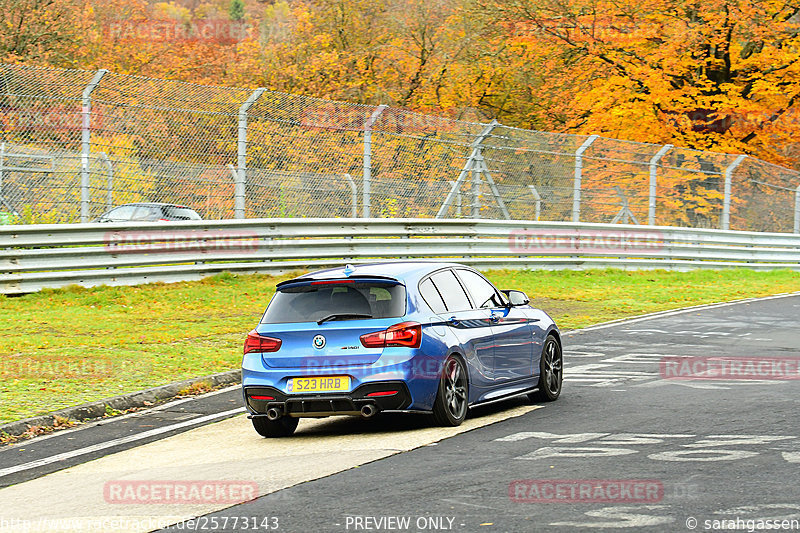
(451, 290)
(483, 293)
(121, 213)
(431, 295)
(147, 213)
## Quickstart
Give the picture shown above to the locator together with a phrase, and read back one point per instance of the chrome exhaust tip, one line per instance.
(369, 410)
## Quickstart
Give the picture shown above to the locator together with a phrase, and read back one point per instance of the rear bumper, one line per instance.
(311, 405)
(419, 372)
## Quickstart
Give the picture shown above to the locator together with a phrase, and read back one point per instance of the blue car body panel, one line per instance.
(500, 345)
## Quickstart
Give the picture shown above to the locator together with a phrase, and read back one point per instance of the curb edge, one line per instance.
(123, 402)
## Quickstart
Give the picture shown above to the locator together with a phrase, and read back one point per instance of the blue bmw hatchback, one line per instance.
(425, 337)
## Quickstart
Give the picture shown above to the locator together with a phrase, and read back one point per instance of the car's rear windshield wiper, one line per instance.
(336, 316)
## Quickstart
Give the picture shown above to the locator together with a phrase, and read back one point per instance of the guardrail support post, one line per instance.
(576, 187)
(725, 222)
(797, 210)
(86, 141)
(651, 204)
(240, 183)
(368, 159)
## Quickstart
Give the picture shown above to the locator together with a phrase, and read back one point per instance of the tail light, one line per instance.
(257, 343)
(407, 334)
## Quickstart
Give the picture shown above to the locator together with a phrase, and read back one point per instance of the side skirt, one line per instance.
(505, 397)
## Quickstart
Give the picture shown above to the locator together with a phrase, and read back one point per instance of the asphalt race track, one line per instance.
(622, 448)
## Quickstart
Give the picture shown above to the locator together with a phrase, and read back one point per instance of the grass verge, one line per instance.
(69, 346)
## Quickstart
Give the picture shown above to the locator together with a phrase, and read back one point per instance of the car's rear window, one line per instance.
(359, 300)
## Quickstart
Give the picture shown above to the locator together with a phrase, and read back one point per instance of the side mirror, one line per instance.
(517, 298)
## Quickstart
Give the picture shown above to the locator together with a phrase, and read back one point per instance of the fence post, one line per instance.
(86, 141)
(109, 180)
(725, 223)
(471, 160)
(458, 198)
(2, 162)
(367, 179)
(240, 184)
(476, 190)
(353, 194)
(651, 204)
(576, 187)
(538, 199)
(797, 210)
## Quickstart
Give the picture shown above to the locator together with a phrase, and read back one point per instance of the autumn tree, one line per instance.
(432, 56)
(718, 75)
(41, 31)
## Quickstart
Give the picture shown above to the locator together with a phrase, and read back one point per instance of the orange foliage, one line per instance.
(721, 75)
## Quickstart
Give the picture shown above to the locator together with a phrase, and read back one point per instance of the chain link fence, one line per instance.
(75, 143)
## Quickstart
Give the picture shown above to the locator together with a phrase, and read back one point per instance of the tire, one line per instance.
(282, 427)
(451, 405)
(551, 372)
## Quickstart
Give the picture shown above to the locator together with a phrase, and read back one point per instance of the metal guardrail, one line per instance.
(55, 255)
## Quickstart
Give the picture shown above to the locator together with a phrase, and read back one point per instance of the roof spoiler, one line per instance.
(310, 280)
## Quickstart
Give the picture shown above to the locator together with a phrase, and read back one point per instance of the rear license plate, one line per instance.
(319, 384)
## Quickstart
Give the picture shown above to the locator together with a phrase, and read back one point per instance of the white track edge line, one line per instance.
(80, 426)
(115, 442)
